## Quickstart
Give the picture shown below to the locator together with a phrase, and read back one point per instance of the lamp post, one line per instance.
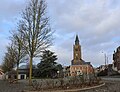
(64, 71)
(106, 63)
(106, 58)
(58, 73)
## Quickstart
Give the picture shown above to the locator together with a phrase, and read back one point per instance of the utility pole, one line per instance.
(105, 58)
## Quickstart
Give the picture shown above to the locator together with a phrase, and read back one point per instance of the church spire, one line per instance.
(77, 40)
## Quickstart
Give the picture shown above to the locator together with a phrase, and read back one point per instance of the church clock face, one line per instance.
(76, 54)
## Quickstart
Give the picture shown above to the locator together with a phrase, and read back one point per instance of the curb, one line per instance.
(74, 90)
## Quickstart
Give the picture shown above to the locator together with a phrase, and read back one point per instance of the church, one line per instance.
(78, 65)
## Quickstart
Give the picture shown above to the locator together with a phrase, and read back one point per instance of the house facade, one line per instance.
(66, 71)
(80, 70)
(116, 60)
(1, 74)
(13, 75)
(23, 72)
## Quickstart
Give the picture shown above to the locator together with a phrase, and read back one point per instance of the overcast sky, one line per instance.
(97, 22)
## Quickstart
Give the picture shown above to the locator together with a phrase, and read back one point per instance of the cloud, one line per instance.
(9, 14)
(10, 9)
(78, 17)
(4, 42)
(64, 56)
(96, 22)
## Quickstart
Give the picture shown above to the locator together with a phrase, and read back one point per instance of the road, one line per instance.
(111, 85)
(111, 79)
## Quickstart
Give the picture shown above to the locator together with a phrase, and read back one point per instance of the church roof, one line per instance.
(85, 63)
(76, 40)
(118, 49)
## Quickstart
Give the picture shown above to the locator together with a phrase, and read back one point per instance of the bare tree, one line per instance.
(9, 61)
(18, 41)
(36, 30)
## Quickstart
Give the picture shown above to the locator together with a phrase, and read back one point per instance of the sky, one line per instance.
(96, 22)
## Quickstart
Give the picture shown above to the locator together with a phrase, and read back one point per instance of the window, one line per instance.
(15, 76)
(76, 49)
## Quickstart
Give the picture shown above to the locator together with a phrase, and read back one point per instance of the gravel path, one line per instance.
(5, 86)
(110, 86)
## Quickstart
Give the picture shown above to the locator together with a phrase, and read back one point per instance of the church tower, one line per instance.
(77, 58)
(78, 65)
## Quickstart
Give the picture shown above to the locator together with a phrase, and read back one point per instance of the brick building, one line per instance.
(1, 74)
(79, 66)
(116, 60)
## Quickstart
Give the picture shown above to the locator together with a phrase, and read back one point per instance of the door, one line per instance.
(22, 77)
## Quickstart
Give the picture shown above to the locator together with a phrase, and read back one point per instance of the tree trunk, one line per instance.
(17, 71)
(30, 72)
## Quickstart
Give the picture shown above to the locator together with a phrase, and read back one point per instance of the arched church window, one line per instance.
(76, 49)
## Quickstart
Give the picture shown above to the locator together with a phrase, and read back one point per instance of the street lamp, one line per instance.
(58, 73)
(106, 58)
